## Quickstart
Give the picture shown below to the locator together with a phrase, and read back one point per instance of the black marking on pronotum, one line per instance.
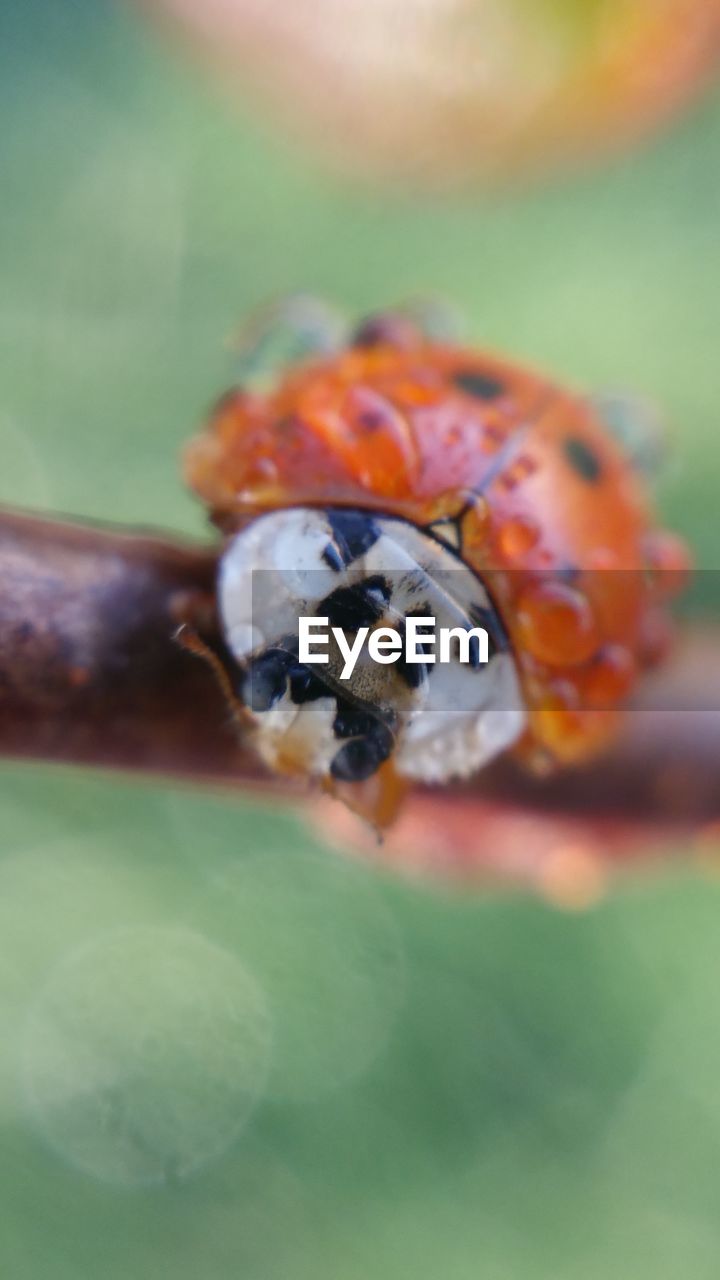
(266, 679)
(480, 385)
(305, 686)
(474, 652)
(360, 605)
(359, 758)
(414, 673)
(480, 616)
(583, 460)
(474, 649)
(354, 533)
(332, 558)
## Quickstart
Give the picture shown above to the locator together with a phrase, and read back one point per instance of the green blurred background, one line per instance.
(224, 1051)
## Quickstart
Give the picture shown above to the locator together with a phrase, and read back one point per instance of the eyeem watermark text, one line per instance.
(418, 643)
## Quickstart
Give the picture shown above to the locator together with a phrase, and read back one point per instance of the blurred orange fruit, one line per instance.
(427, 91)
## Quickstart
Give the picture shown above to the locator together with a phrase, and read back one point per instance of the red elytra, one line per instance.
(520, 475)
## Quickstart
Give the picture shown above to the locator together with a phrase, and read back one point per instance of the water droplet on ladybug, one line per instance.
(556, 624)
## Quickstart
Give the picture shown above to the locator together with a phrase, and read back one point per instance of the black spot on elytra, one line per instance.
(305, 686)
(354, 533)
(481, 385)
(265, 680)
(361, 757)
(360, 605)
(583, 460)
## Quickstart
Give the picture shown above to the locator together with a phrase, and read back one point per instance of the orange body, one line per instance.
(519, 475)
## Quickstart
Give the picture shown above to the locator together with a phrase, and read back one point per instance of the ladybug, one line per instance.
(399, 475)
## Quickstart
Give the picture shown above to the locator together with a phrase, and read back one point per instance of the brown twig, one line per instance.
(89, 670)
(90, 674)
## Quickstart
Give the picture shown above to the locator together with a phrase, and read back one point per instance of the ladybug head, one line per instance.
(360, 639)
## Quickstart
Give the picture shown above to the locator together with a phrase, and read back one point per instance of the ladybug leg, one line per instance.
(377, 800)
(418, 319)
(636, 426)
(189, 640)
(283, 332)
